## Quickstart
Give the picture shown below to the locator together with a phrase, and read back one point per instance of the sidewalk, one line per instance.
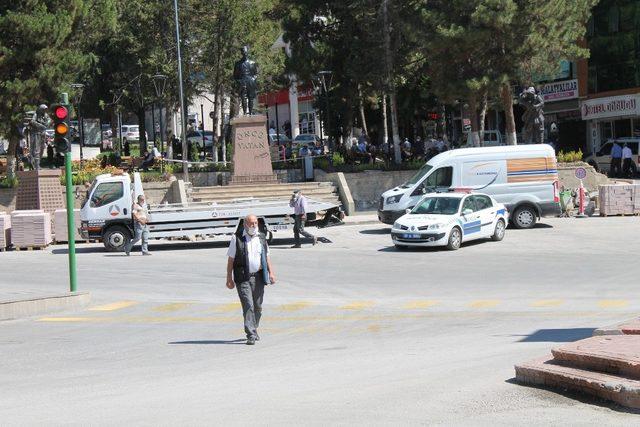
(25, 303)
(363, 218)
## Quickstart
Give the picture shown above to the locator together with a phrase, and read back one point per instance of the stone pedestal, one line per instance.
(40, 190)
(251, 156)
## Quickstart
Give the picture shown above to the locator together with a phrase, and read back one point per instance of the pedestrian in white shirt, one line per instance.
(249, 270)
(627, 155)
(299, 204)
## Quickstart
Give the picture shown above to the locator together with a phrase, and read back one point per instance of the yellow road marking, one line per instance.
(226, 308)
(72, 319)
(612, 303)
(175, 306)
(113, 306)
(484, 303)
(296, 306)
(412, 305)
(547, 303)
(358, 305)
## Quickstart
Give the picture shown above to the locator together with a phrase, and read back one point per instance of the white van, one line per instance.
(522, 177)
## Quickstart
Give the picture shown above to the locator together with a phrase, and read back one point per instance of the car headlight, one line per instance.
(394, 199)
(396, 225)
(437, 226)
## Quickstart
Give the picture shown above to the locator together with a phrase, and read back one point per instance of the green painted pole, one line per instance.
(71, 234)
(73, 279)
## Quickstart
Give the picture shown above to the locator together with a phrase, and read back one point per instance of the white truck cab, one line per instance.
(522, 177)
(106, 214)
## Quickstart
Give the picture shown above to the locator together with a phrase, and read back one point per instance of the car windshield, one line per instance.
(437, 206)
(418, 176)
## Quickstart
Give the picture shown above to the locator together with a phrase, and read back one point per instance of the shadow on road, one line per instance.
(210, 342)
(435, 248)
(539, 226)
(557, 335)
(376, 231)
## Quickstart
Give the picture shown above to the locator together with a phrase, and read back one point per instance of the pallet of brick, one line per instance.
(30, 229)
(5, 231)
(616, 199)
(60, 225)
(636, 199)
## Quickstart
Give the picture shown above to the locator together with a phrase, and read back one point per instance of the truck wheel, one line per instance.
(498, 233)
(525, 217)
(116, 238)
(455, 239)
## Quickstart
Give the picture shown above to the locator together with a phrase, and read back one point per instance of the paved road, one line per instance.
(354, 332)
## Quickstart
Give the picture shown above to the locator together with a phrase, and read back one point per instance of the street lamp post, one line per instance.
(183, 113)
(78, 89)
(325, 78)
(159, 83)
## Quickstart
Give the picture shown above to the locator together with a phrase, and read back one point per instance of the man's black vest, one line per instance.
(241, 260)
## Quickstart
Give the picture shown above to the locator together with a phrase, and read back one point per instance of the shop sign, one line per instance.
(559, 91)
(615, 106)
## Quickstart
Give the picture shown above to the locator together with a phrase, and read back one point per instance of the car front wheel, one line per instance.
(455, 239)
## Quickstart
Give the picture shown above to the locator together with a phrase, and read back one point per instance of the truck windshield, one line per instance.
(418, 176)
(438, 206)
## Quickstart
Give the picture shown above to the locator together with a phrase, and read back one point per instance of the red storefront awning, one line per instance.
(305, 93)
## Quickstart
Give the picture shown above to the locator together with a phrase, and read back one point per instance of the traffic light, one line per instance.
(61, 127)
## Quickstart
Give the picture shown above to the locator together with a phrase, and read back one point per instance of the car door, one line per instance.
(471, 222)
(487, 213)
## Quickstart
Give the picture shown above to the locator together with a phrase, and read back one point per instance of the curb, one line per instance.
(364, 222)
(17, 309)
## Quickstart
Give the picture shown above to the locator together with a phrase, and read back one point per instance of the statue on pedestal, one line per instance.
(39, 122)
(533, 117)
(245, 73)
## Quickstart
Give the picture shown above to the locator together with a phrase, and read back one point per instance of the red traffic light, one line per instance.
(61, 112)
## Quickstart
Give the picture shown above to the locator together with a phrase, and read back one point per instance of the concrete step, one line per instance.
(548, 373)
(614, 354)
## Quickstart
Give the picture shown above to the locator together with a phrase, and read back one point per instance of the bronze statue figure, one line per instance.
(37, 126)
(533, 117)
(245, 74)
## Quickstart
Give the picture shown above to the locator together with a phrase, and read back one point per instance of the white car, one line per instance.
(449, 219)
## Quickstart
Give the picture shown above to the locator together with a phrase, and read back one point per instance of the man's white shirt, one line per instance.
(254, 251)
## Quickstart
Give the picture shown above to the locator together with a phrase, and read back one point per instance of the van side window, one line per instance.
(441, 177)
(105, 193)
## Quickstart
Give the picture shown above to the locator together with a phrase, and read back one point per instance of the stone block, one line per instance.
(615, 354)
(251, 155)
(546, 372)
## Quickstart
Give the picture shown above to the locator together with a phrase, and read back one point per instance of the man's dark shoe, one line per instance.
(257, 337)
(251, 340)
(296, 246)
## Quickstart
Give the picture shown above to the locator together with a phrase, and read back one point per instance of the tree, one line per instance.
(45, 45)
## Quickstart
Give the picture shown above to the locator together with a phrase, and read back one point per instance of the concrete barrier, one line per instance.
(35, 306)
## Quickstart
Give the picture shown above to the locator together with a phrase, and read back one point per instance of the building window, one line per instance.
(622, 128)
(606, 131)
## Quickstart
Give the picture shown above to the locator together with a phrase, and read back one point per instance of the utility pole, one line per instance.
(185, 153)
(71, 237)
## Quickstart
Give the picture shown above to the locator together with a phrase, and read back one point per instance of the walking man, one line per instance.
(141, 229)
(626, 161)
(616, 161)
(249, 262)
(299, 204)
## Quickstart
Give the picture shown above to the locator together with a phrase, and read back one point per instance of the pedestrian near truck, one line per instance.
(626, 161)
(249, 270)
(299, 204)
(140, 214)
(616, 161)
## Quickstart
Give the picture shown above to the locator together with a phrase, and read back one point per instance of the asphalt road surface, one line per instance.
(354, 332)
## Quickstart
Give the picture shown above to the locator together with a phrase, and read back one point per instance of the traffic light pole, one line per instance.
(71, 235)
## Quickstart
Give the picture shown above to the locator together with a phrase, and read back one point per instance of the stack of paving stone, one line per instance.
(619, 199)
(604, 366)
(5, 231)
(60, 225)
(31, 229)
